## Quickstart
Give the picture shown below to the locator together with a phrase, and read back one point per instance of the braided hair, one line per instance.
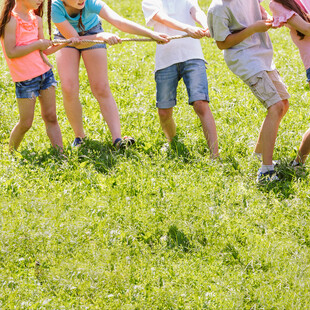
(80, 23)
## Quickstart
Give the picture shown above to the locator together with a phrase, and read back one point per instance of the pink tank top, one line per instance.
(31, 65)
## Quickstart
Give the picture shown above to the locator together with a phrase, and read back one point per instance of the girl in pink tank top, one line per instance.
(295, 15)
(22, 39)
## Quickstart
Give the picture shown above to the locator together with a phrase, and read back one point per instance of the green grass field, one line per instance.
(146, 229)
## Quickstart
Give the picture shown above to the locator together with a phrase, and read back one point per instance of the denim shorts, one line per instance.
(96, 29)
(30, 89)
(194, 75)
(308, 74)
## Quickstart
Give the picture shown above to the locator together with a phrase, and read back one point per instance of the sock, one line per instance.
(266, 168)
(259, 156)
(295, 163)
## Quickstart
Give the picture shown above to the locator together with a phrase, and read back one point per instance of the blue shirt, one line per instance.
(89, 14)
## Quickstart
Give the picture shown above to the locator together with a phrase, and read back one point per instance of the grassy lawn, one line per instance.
(152, 229)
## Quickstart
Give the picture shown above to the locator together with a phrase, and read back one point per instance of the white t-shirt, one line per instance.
(252, 55)
(178, 50)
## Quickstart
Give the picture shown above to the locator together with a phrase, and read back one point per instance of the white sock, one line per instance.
(295, 163)
(266, 168)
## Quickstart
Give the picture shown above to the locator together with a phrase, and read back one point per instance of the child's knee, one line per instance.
(69, 89)
(101, 90)
(49, 116)
(25, 125)
(201, 107)
(286, 106)
(165, 114)
(279, 108)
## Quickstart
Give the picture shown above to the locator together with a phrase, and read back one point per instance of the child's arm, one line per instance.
(51, 49)
(130, 27)
(299, 24)
(236, 38)
(265, 14)
(67, 30)
(163, 18)
(14, 51)
(200, 17)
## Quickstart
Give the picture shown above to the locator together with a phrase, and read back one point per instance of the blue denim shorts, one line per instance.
(308, 74)
(96, 29)
(30, 89)
(194, 75)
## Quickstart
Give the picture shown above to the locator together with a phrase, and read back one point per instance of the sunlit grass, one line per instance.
(146, 229)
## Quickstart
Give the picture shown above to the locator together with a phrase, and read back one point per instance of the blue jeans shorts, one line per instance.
(96, 29)
(194, 75)
(308, 74)
(30, 89)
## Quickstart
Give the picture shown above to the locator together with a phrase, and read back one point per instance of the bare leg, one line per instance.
(269, 130)
(48, 111)
(203, 111)
(167, 123)
(304, 148)
(68, 60)
(96, 65)
(26, 114)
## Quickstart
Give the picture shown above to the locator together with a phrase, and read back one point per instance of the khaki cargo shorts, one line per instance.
(268, 87)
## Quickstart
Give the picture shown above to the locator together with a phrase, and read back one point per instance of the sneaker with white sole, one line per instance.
(266, 177)
(123, 143)
(77, 142)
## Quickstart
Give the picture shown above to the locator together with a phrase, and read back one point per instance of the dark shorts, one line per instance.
(194, 75)
(30, 89)
(308, 74)
(96, 29)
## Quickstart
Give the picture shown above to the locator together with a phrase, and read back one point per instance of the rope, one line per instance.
(123, 40)
(101, 42)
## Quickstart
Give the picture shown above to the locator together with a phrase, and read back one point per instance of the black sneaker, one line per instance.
(77, 142)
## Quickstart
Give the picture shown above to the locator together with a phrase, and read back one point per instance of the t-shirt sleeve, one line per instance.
(151, 8)
(192, 3)
(58, 12)
(95, 6)
(280, 13)
(218, 27)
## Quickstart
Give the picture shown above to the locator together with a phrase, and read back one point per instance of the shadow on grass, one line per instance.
(102, 157)
(177, 239)
(288, 176)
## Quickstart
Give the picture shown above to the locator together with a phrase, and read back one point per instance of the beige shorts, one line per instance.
(268, 87)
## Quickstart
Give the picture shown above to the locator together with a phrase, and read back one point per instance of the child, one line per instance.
(181, 59)
(294, 14)
(239, 28)
(74, 18)
(22, 39)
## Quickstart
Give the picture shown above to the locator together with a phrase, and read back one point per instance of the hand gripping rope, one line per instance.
(101, 42)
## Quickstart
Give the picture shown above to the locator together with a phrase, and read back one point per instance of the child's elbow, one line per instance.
(10, 55)
(221, 45)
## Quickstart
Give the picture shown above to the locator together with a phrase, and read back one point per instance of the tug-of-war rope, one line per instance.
(102, 42)
(123, 40)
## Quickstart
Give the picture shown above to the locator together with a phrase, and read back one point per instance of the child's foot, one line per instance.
(298, 167)
(77, 142)
(123, 143)
(266, 177)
